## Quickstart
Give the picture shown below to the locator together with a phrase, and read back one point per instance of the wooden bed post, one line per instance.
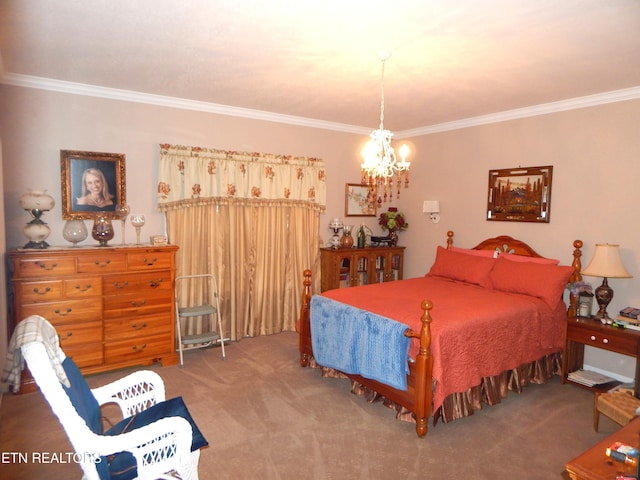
(576, 276)
(449, 239)
(424, 367)
(304, 338)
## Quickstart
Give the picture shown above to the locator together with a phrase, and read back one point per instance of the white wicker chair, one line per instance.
(160, 448)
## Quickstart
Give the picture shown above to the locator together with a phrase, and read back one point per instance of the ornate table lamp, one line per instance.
(605, 263)
(36, 202)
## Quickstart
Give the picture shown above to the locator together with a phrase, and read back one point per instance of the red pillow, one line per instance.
(546, 282)
(523, 258)
(477, 253)
(462, 267)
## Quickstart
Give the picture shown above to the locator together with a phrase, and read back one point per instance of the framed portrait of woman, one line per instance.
(93, 183)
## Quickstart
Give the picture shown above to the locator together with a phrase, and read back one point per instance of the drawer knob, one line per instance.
(86, 288)
(102, 264)
(593, 337)
(120, 285)
(150, 262)
(135, 326)
(605, 340)
(155, 283)
(63, 313)
(37, 291)
(138, 304)
(139, 349)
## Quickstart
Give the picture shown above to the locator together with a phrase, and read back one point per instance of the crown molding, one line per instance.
(62, 86)
(625, 94)
(29, 81)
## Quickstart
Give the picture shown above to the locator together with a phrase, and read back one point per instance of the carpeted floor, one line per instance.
(267, 418)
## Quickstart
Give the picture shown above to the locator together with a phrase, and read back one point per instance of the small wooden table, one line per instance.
(593, 464)
(588, 331)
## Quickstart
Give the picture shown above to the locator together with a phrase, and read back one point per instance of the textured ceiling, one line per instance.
(451, 59)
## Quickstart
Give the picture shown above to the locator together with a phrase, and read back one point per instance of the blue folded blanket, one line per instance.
(359, 342)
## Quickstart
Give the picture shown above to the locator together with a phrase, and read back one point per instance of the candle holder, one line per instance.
(122, 212)
(137, 221)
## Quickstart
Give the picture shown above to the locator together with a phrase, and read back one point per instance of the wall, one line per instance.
(594, 152)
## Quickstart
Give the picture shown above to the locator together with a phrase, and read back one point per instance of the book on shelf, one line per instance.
(589, 378)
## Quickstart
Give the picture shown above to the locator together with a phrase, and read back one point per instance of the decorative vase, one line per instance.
(393, 238)
(75, 231)
(102, 230)
(347, 240)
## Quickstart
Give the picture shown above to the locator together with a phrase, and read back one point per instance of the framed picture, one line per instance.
(359, 201)
(520, 194)
(93, 183)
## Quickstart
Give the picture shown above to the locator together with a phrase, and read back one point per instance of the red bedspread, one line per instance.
(476, 332)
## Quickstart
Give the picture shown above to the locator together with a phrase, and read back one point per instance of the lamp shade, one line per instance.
(606, 263)
(431, 206)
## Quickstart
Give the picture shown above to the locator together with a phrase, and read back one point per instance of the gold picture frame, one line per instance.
(359, 201)
(93, 183)
(520, 194)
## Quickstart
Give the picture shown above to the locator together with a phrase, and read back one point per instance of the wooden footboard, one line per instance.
(419, 394)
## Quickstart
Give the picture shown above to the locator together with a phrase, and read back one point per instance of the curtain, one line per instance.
(251, 219)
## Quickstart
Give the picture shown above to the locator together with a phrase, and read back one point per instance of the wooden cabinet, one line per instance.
(112, 307)
(349, 267)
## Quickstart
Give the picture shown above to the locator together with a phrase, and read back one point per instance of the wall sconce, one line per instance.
(606, 263)
(432, 207)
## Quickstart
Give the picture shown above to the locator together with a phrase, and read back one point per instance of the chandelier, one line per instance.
(380, 164)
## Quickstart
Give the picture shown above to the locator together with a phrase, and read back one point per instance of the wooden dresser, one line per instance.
(348, 267)
(113, 307)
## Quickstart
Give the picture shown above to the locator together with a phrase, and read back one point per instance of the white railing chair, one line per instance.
(159, 449)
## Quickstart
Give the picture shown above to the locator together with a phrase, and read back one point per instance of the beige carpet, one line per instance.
(267, 418)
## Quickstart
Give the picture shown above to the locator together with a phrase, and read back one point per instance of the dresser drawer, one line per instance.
(83, 287)
(65, 312)
(135, 283)
(79, 333)
(107, 262)
(151, 260)
(137, 327)
(86, 355)
(44, 267)
(129, 350)
(38, 292)
(136, 304)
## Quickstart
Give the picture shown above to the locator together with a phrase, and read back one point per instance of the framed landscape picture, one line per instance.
(93, 183)
(359, 201)
(520, 194)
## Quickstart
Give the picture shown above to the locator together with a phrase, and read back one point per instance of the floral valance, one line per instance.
(196, 176)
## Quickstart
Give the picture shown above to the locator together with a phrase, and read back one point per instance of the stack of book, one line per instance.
(629, 317)
(589, 378)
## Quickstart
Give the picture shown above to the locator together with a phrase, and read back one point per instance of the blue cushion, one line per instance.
(122, 466)
(81, 397)
(86, 405)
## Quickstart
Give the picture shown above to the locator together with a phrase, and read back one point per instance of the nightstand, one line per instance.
(588, 331)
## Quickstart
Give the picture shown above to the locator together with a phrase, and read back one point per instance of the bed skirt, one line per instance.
(490, 391)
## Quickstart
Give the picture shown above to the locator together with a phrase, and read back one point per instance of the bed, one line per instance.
(481, 322)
